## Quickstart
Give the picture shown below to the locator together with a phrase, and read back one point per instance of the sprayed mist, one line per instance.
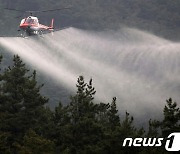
(140, 69)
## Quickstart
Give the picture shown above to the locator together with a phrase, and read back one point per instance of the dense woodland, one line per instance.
(161, 17)
(28, 126)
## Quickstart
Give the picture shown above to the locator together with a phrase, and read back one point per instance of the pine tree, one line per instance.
(113, 116)
(111, 140)
(171, 121)
(127, 129)
(81, 104)
(153, 128)
(62, 132)
(4, 142)
(102, 113)
(84, 131)
(1, 58)
(35, 144)
(21, 103)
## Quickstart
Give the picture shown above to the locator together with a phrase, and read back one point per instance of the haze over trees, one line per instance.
(27, 125)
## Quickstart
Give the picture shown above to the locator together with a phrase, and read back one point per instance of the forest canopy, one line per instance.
(27, 125)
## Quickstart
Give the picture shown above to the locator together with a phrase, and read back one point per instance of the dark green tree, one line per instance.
(82, 131)
(81, 104)
(171, 121)
(113, 116)
(0, 58)
(128, 129)
(153, 130)
(35, 144)
(111, 127)
(62, 128)
(102, 114)
(21, 103)
(169, 124)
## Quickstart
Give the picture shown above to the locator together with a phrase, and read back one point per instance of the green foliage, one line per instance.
(78, 122)
(81, 104)
(4, 139)
(35, 144)
(20, 102)
(113, 116)
(170, 122)
(27, 126)
(0, 58)
(153, 128)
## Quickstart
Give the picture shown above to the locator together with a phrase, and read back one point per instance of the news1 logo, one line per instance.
(172, 142)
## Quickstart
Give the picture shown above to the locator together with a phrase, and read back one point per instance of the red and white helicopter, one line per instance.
(30, 25)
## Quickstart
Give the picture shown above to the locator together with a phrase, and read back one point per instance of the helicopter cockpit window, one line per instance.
(31, 21)
(22, 21)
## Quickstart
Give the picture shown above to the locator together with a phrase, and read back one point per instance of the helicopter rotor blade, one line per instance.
(65, 8)
(14, 9)
(17, 17)
(11, 9)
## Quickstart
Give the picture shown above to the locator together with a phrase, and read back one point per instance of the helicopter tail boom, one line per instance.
(52, 24)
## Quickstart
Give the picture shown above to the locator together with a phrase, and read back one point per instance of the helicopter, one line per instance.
(30, 25)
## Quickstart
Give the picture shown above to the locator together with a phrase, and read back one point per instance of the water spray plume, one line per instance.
(140, 69)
